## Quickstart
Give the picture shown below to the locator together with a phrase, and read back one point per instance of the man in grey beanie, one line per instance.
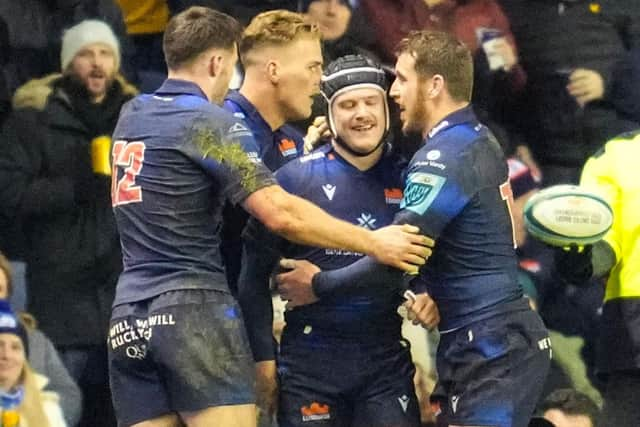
(55, 176)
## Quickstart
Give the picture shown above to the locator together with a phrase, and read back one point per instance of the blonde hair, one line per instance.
(274, 28)
(5, 267)
(31, 409)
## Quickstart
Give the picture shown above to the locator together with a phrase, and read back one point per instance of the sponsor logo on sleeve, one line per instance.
(238, 130)
(422, 189)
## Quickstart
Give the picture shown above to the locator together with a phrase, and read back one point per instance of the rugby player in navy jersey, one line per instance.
(494, 350)
(178, 352)
(282, 60)
(358, 179)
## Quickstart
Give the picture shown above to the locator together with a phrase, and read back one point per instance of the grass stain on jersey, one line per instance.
(212, 145)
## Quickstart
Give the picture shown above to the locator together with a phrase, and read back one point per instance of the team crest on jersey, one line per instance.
(287, 147)
(422, 189)
(315, 412)
(393, 196)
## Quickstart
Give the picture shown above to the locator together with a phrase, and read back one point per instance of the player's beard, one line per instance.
(416, 118)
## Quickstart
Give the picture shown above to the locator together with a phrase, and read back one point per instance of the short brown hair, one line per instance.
(436, 52)
(193, 31)
(5, 267)
(275, 28)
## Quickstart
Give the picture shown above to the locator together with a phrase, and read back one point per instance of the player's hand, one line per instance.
(585, 86)
(295, 285)
(267, 387)
(422, 310)
(401, 246)
(319, 129)
(507, 52)
(573, 264)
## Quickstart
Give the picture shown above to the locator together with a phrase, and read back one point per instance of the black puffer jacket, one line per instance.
(47, 182)
(555, 37)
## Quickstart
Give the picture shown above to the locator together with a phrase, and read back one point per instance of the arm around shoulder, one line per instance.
(303, 222)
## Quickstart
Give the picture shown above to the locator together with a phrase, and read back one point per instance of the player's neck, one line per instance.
(264, 100)
(203, 83)
(361, 163)
(436, 114)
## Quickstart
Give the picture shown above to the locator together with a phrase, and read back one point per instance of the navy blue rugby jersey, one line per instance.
(457, 191)
(277, 147)
(368, 199)
(177, 158)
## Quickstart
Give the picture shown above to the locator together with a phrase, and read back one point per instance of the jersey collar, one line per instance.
(180, 87)
(463, 115)
(249, 110)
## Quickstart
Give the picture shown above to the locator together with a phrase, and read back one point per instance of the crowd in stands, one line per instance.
(554, 79)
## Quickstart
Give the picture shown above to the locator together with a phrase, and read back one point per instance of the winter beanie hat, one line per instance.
(85, 33)
(9, 324)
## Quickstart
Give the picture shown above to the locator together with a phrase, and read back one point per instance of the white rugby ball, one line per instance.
(562, 215)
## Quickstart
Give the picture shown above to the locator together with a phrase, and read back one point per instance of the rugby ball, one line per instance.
(562, 215)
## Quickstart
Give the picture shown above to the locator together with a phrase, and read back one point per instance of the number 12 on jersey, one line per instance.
(128, 156)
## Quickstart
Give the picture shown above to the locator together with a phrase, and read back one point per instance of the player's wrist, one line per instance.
(320, 285)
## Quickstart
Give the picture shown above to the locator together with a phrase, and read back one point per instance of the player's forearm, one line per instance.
(309, 225)
(365, 272)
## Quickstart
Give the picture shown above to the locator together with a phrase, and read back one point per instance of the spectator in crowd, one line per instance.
(360, 180)
(35, 30)
(145, 21)
(569, 50)
(483, 27)
(344, 29)
(187, 156)
(625, 91)
(43, 357)
(282, 58)
(613, 173)
(24, 400)
(570, 408)
(54, 171)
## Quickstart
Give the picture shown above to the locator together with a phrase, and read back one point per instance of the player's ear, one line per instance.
(274, 70)
(215, 65)
(435, 85)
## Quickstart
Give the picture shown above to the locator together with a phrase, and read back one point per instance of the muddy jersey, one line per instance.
(176, 159)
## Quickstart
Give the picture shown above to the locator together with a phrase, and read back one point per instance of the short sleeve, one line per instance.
(225, 147)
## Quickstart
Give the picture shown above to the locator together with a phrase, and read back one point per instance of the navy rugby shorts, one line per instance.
(342, 383)
(181, 351)
(491, 373)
